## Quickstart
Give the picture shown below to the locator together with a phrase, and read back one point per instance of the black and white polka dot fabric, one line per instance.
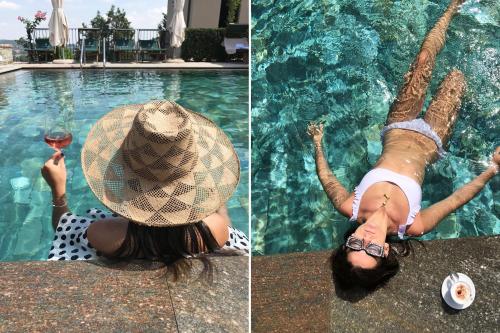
(70, 240)
(71, 243)
(237, 241)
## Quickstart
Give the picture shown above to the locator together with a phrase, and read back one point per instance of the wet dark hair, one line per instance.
(347, 276)
(170, 245)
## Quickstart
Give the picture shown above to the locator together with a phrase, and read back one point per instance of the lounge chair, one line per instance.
(149, 42)
(123, 42)
(41, 45)
(92, 42)
(236, 41)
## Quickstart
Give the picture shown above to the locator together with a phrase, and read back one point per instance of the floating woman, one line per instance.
(387, 200)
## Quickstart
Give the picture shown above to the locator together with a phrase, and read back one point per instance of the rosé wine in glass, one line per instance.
(58, 140)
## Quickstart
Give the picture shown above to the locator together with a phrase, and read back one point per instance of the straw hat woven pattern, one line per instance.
(159, 164)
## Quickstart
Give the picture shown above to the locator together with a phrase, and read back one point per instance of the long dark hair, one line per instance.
(173, 246)
(347, 276)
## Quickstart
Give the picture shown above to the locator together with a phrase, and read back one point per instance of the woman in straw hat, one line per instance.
(387, 200)
(165, 172)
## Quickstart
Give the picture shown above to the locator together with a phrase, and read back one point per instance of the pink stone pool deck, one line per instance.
(87, 297)
(135, 65)
(295, 293)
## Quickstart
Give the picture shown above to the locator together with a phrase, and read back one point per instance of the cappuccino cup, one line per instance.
(460, 292)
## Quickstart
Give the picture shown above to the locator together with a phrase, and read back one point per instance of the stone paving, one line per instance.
(295, 293)
(89, 297)
(138, 65)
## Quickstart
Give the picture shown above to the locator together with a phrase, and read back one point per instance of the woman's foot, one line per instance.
(457, 3)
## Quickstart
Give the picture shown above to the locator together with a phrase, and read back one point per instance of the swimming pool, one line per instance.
(342, 61)
(27, 96)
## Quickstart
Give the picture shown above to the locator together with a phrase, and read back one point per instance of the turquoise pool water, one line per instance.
(27, 96)
(342, 61)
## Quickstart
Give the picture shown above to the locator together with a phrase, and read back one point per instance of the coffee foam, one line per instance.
(460, 292)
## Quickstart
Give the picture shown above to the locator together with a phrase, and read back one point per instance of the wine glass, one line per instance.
(57, 132)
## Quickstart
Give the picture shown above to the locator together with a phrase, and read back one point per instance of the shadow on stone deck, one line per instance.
(83, 296)
(294, 293)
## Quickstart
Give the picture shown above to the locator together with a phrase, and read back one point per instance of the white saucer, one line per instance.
(445, 292)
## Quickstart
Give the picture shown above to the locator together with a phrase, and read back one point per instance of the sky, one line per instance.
(142, 13)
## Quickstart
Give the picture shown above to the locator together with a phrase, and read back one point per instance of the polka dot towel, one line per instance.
(71, 243)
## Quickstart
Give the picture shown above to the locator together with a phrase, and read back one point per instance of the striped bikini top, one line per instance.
(410, 188)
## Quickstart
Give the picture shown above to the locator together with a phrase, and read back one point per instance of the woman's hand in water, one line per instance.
(315, 131)
(54, 173)
(496, 156)
(495, 160)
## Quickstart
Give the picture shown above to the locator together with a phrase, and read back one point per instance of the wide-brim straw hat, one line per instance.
(159, 164)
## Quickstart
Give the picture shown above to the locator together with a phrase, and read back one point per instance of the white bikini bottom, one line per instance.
(417, 125)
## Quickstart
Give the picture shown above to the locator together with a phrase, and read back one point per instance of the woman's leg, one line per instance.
(443, 110)
(410, 99)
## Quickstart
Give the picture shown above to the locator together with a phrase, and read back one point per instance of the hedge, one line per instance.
(204, 45)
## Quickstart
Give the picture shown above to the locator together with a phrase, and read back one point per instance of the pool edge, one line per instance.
(83, 295)
(296, 291)
(185, 65)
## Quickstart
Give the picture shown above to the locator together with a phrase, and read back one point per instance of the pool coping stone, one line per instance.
(295, 293)
(155, 65)
(60, 296)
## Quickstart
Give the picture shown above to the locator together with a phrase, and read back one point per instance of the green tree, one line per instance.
(100, 22)
(118, 19)
(229, 12)
(163, 25)
(162, 30)
(115, 18)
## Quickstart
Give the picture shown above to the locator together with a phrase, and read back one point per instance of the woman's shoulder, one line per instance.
(83, 237)
(416, 229)
(218, 226)
(107, 234)
(346, 208)
(227, 237)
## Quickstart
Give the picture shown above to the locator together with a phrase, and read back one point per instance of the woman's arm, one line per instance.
(337, 194)
(54, 173)
(218, 223)
(430, 217)
(59, 207)
(222, 211)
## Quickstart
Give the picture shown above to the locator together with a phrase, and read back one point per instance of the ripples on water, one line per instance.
(342, 62)
(26, 96)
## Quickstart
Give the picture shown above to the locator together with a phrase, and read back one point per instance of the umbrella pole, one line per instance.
(104, 52)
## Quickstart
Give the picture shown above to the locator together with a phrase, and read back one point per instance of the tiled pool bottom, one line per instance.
(342, 62)
(27, 96)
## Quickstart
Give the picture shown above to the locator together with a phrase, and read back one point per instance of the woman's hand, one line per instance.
(315, 131)
(496, 156)
(54, 173)
(495, 159)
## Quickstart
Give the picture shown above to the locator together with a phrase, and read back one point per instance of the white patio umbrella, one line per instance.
(177, 24)
(58, 25)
